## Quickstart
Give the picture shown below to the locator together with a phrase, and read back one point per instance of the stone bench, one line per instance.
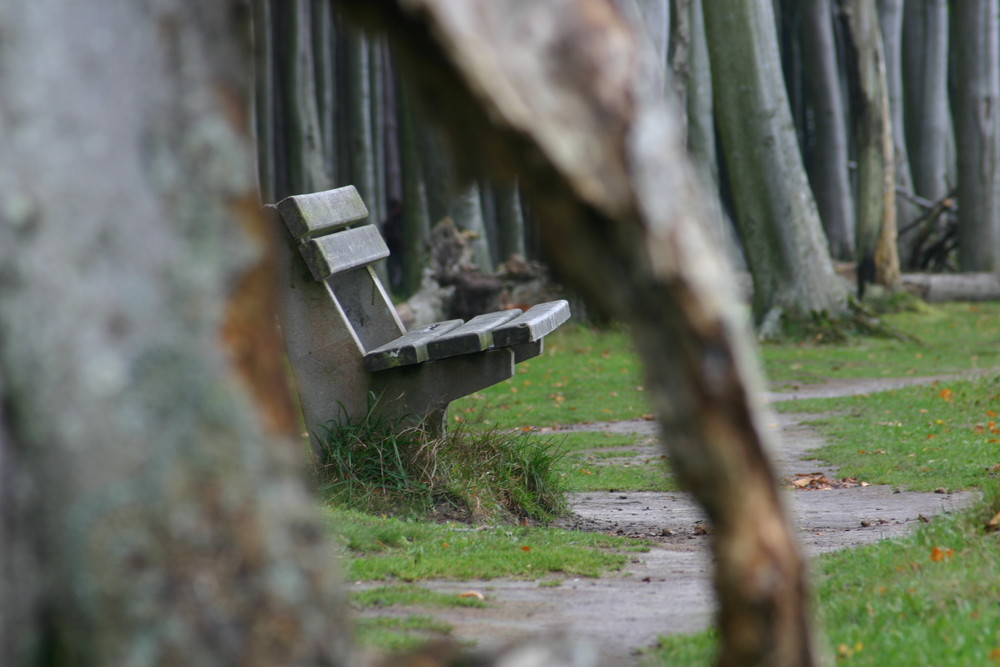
(346, 343)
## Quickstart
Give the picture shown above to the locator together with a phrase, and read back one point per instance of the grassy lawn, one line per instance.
(939, 436)
(383, 548)
(950, 337)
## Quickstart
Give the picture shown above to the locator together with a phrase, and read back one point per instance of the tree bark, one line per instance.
(510, 222)
(782, 237)
(149, 514)
(415, 224)
(929, 135)
(875, 234)
(925, 70)
(700, 112)
(890, 16)
(976, 96)
(828, 166)
(623, 219)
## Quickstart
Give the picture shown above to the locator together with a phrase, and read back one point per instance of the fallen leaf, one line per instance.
(938, 554)
(947, 395)
(993, 524)
(525, 548)
(472, 594)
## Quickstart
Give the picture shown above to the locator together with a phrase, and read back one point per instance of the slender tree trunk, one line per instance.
(152, 509)
(467, 213)
(416, 221)
(828, 166)
(510, 222)
(700, 112)
(359, 100)
(925, 71)
(782, 236)
(265, 99)
(976, 96)
(626, 228)
(890, 15)
(875, 234)
(679, 57)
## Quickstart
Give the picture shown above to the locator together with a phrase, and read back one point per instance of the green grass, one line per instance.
(410, 596)
(383, 548)
(945, 435)
(952, 337)
(399, 634)
(593, 375)
(583, 375)
(930, 599)
(641, 474)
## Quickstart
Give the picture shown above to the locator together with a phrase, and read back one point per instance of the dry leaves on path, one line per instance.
(817, 481)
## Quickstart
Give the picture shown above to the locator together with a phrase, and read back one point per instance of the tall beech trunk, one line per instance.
(828, 172)
(700, 112)
(782, 236)
(621, 216)
(977, 136)
(152, 506)
(875, 234)
(925, 71)
(890, 16)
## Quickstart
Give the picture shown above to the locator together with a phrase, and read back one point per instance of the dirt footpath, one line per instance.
(667, 590)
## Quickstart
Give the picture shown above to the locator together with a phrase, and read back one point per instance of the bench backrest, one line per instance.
(340, 254)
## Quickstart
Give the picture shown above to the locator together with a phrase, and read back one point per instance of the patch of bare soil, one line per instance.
(668, 589)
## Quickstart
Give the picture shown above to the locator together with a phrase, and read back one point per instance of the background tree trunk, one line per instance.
(828, 168)
(976, 96)
(925, 71)
(875, 234)
(929, 137)
(150, 513)
(780, 227)
(626, 227)
(510, 222)
(700, 112)
(890, 16)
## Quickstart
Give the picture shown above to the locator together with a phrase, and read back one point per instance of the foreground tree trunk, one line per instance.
(977, 136)
(782, 236)
(577, 115)
(149, 512)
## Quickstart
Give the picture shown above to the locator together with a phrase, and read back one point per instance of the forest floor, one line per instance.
(667, 590)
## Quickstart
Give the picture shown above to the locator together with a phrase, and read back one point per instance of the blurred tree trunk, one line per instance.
(626, 227)
(976, 93)
(828, 165)
(875, 232)
(780, 227)
(152, 506)
(890, 16)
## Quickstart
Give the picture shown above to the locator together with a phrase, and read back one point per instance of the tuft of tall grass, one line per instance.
(385, 466)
